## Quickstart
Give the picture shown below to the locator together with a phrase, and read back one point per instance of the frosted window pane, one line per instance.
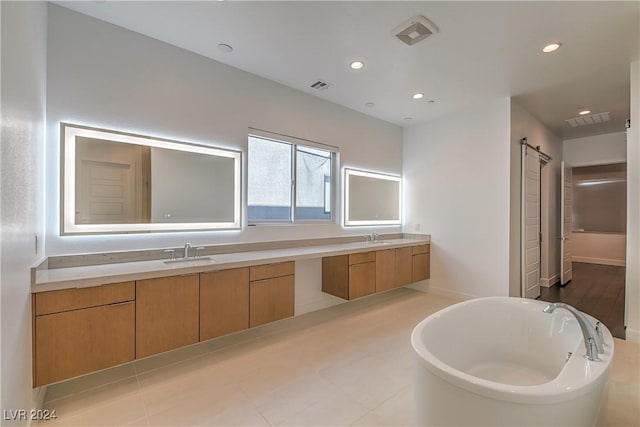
(600, 198)
(269, 180)
(313, 176)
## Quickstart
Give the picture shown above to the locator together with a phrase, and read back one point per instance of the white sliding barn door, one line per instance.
(566, 263)
(530, 234)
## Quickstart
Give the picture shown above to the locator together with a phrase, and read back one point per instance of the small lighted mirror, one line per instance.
(371, 198)
(116, 182)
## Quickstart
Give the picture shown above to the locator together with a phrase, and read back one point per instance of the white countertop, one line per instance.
(95, 275)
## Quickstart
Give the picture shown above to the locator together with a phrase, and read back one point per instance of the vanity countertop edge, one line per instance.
(97, 275)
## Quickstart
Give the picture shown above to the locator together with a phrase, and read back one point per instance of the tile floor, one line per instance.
(346, 365)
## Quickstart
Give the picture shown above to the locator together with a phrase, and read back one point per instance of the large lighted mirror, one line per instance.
(371, 198)
(115, 182)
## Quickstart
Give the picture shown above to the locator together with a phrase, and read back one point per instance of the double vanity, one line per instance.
(97, 311)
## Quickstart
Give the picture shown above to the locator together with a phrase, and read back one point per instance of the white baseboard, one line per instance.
(603, 261)
(547, 283)
(632, 335)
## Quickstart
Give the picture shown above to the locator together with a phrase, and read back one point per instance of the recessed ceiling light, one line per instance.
(418, 95)
(551, 47)
(583, 112)
(369, 105)
(356, 65)
(225, 48)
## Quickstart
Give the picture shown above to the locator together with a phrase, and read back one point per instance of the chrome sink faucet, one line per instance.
(186, 251)
(593, 341)
(374, 237)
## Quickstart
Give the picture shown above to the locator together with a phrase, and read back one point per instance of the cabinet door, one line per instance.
(224, 302)
(166, 314)
(385, 270)
(271, 299)
(404, 266)
(76, 342)
(421, 268)
(335, 275)
(362, 279)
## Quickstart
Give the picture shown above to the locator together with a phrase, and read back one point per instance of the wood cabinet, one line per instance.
(421, 268)
(271, 292)
(364, 273)
(385, 270)
(166, 313)
(349, 276)
(335, 275)
(404, 266)
(77, 331)
(224, 302)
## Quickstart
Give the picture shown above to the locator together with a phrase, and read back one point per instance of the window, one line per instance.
(289, 182)
(600, 198)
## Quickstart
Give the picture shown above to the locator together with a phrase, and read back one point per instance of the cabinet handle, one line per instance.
(116, 304)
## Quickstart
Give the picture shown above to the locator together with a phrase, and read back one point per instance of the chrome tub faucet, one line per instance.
(593, 340)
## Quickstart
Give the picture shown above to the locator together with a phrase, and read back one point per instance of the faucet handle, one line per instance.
(599, 333)
(592, 352)
(171, 252)
(198, 249)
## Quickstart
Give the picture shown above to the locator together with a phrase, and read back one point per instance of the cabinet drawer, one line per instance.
(420, 249)
(74, 299)
(362, 257)
(268, 271)
(81, 341)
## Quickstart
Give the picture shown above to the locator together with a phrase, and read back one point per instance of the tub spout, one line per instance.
(592, 342)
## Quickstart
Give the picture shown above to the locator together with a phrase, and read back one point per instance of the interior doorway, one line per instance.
(594, 231)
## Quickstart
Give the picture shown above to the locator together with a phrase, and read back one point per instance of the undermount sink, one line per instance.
(200, 260)
(379, 242)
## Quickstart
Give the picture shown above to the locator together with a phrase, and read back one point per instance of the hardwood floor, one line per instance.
(597, 290)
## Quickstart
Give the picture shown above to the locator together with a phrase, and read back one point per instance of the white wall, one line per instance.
(632, 286)
(456, 186)
(23, 78)
(102, 75)
(599, 248)
(595, 150)
(523, 124)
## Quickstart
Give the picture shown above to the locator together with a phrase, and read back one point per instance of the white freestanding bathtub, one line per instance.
(502, 361)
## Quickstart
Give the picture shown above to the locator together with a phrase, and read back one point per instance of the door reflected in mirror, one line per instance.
(116, 182)
(372, 198)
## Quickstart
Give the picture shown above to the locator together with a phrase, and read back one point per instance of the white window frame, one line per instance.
(295, 142)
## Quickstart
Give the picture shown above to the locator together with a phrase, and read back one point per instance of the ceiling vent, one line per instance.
(320, 85)
(591, 119)
(415, 30)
